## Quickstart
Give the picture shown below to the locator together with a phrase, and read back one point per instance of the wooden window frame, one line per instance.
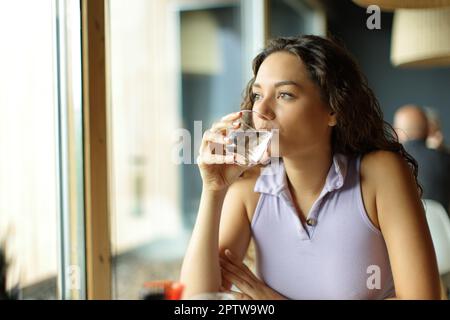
(96, 149)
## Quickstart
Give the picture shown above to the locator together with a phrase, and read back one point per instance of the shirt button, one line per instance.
(311, 222)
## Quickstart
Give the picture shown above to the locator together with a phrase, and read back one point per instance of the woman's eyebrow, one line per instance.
(279, 84)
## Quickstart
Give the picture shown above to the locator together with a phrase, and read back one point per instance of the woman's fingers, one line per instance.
(212, 136)
(215, 134)
(213, 146)
(235, 264)
(240, 270)
(239, 159)
(229, 121)
(239, 295)
(232, 116)
(212, 151)
(230, 255)
(236, 294)
(226, 285)
(213, 141)
(239, 282)
(208, 158)
(228, 158)
(225, 125)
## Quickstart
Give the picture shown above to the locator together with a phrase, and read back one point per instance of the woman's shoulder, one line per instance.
(380, 163)
(381, 166)
(376, 170)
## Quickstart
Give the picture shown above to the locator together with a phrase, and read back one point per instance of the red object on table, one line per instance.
(175, 291)
(172, 289)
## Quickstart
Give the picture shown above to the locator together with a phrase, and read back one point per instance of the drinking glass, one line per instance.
(252, 138)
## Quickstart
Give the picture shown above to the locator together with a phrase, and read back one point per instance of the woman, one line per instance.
(341, 218)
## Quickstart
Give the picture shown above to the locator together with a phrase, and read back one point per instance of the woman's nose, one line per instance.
(264, 107)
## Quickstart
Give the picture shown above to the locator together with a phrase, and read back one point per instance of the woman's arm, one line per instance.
(201, 271)
(404, 227)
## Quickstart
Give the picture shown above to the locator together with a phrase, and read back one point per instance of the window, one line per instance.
(28, 165)
(41, 185)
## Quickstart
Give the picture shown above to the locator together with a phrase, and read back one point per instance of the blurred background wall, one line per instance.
(393, 86)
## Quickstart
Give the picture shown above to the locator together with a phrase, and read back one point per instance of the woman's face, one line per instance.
(283, 92)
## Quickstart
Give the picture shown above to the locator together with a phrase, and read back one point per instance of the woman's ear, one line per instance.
(332, 119)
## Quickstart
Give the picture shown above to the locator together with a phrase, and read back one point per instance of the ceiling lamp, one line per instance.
(421, 38)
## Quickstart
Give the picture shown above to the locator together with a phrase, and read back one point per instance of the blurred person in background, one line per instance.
(412, 127)
(435, 139)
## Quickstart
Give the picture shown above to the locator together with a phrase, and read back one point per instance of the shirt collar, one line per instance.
(273, 178)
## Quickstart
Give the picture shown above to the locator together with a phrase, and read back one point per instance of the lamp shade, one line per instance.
(389, 5)
(200, 43)
(421, 38)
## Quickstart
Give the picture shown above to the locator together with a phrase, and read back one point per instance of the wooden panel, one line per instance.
(98, 252)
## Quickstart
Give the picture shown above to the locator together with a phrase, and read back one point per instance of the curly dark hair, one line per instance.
(360, 126)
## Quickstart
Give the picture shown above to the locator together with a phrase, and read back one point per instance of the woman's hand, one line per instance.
(218, 169)
(237, 273)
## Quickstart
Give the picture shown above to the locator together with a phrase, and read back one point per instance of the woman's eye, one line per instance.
(285, 95)
(256, 96)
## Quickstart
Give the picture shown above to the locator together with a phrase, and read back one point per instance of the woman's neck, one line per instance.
(307, 173)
